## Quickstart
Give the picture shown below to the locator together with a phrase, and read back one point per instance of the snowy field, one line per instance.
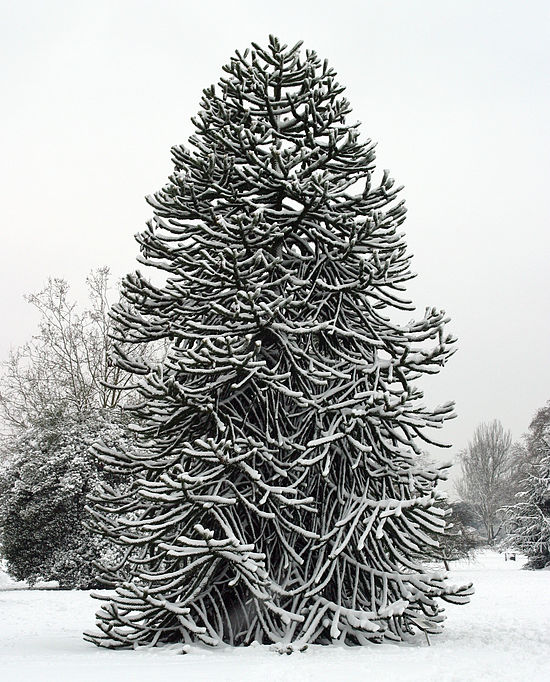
(504, 634)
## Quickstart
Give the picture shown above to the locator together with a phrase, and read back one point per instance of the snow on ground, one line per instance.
(504, 634)
(8, 583)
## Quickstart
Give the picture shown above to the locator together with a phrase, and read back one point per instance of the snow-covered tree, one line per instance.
(64, 371)
(278, 495)
(44, 482)
(487, 481)
(528, 520)
(54, 402)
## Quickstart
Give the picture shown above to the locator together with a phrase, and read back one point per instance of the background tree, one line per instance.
(488, 474)
(54, 404)
(65, 370)
(278, 491)
(43, 489)
(528, 519)
(460, 538)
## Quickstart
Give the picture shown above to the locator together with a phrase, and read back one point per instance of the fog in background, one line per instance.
(456, 94)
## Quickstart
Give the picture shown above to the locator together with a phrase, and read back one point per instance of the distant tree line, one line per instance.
(507, 486)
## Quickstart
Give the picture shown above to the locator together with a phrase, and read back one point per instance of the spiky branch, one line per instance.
(277, 495)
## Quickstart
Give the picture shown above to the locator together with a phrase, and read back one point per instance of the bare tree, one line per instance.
(487, 474)
(65, 369)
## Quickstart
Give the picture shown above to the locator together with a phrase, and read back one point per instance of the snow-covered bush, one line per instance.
(278, 494)
(43, 488)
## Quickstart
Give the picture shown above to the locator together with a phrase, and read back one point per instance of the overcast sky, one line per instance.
(456, 94)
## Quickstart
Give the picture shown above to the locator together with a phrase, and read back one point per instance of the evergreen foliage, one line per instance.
(43, 490)
(277, 494)
(528, 520)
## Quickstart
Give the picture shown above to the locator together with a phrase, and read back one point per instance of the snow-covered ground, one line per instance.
(504, 634)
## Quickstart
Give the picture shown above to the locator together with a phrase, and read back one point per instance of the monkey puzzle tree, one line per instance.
(277, 494)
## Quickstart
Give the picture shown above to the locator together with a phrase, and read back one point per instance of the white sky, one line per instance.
(455, 92)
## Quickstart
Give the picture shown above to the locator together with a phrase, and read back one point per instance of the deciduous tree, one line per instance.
(487, 474)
